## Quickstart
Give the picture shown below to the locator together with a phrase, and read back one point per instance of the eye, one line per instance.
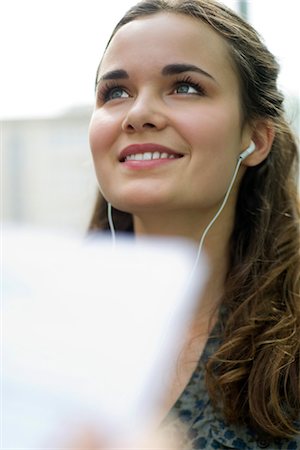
(116, 92)
(108, 93)
(188, 87)
(185, 88)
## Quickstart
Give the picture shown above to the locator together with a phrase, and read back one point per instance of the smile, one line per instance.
(148, 156)
(148, 153)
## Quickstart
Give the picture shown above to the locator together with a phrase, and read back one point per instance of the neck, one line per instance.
(189, 224)
(215, 247)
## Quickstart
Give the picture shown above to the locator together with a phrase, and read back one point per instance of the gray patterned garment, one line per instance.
(200, 427)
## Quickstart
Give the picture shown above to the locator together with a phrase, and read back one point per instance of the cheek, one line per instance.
(212, 129)
(102, 134)
(214, 139)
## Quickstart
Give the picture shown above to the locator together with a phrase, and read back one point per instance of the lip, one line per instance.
(145, 148)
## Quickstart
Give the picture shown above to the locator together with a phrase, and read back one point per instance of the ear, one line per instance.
(262, 134)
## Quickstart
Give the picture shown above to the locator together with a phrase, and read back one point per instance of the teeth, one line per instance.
(148, 156)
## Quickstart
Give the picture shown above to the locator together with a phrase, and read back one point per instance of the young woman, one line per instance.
(189, 138)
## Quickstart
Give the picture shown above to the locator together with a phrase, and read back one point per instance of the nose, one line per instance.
(146, 112)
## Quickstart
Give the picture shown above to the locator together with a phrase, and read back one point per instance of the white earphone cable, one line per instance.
(111, 224)
(240, 159)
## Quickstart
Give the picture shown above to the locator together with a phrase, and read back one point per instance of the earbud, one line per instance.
(247, 152)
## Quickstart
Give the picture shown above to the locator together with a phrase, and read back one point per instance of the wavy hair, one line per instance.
(254, 376)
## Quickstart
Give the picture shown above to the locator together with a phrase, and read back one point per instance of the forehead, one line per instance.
(165, 38)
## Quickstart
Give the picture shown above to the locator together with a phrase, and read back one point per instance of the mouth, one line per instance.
(148, 152)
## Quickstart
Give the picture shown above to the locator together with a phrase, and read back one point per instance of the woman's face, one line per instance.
(166, 131)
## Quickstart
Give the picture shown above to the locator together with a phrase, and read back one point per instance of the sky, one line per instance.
(51, 49)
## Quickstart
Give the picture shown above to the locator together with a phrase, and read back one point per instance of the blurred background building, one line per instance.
(47, 173)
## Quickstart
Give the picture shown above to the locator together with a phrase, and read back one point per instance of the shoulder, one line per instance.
(196, 425)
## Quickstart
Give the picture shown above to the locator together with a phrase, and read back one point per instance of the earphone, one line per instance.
(241, 158)
(248, 151)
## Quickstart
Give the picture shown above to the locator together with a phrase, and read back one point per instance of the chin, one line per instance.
(140, 203)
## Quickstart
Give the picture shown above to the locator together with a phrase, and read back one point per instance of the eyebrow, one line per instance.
(118, 74)
(175, 69)
(171, 69)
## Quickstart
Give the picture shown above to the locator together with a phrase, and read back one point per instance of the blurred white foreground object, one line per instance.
(89, 332)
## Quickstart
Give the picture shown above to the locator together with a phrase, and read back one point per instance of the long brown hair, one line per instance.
(254, 376)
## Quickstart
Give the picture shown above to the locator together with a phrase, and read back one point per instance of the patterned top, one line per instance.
(198, 426)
